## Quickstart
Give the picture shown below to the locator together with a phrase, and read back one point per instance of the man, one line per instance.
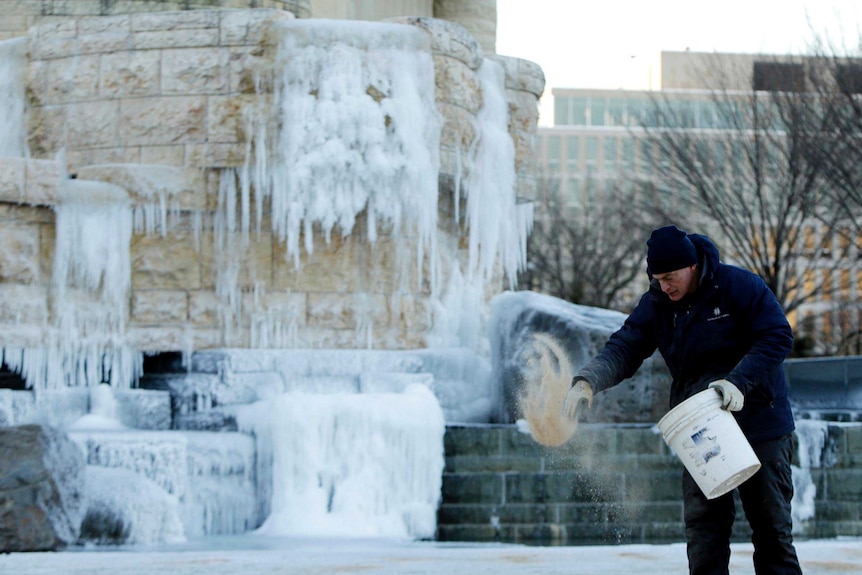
(721, 327)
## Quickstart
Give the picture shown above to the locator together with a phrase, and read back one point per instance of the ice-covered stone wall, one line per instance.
(167, 107)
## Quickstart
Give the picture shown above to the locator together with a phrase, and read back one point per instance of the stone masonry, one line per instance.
(153, 103)
(610, 484)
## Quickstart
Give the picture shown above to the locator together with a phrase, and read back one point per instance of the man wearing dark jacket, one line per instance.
(716, 326)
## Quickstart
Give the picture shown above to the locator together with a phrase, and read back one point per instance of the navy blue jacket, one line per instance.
(732, 327)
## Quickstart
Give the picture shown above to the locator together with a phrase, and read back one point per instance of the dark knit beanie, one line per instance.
(669, 249)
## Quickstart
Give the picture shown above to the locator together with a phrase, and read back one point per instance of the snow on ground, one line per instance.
(323, 556)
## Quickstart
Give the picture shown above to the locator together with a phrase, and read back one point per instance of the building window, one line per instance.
(591, 156)
(561, 110)
(610, 154)
(578, 115)
(827, 285)
(645, 157)
(849, 78)
(573, 153)
(554, 153)
(627, 162)
(597, 112)
(573, 192)
(779, 77)
(616, 112)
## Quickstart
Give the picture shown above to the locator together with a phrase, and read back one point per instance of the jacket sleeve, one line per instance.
(771, 335)
(625, 350)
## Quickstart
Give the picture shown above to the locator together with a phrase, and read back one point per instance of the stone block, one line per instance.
(467, 533)
(247, 264)
(170, 262)
(94, 124)
(346, 311)
(842, 484)
(448, 39)
(459, 129)
(157, 306)
(161, 39)
(248, 27)
(42, 480)
(159, 338)
(203, 308)
(164, 155)
(490, 464)
(162, 121)
(472, 441)
(144, 409)
(225, 118)
(78, 158)
(47, 133)
(522, 75)
(457, 84)
(23, 304)
(130, 74)
(19, 253)
(65, 80)
(653, 486)
(173, 21)
(194, 71)
(473, 488)
(216, 155)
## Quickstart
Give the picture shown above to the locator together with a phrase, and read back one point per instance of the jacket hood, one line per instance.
(707, 254)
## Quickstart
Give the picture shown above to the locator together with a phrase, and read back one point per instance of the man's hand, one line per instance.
(580, 393)
(731, 397)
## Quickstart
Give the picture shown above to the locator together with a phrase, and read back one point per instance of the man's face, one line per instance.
(678, 283)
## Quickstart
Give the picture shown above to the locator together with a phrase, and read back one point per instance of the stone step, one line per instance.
(589, 440)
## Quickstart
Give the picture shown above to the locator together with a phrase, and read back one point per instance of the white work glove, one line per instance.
(731, 397)
(580, 393)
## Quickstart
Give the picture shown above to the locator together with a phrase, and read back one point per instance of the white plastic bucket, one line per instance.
(710, 443)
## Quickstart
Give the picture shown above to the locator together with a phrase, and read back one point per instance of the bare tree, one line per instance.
(591, 251)
(750, 168)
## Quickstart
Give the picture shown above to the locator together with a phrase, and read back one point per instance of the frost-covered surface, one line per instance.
(124, 507)
(581, 331)
(812, 436)
(353, 465)
(314, 556)
(70, 407)
(13, 120)
(459, 378)
(85, 342)
(211, 475)
(498, 225)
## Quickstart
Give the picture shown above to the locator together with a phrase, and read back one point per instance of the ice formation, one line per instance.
(352, 465)
(812, 435)
(358, 131)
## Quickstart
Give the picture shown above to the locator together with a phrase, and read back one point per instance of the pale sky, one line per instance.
(615, 43)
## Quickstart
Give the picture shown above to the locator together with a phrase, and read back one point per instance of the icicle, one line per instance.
(358, 131)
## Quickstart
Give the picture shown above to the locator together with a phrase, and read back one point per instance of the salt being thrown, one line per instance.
(547, 378)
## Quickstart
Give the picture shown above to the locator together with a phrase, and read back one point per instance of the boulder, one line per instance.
(42, 481)
(577, 333)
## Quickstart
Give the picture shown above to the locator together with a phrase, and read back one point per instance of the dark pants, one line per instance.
(766, 502)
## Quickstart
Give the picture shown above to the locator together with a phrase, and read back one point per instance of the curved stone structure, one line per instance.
(174, 109)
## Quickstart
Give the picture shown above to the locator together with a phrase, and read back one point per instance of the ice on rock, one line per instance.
(352, 465)
(103, 414)
(211, 475)
(124, 507)
(811, 436)
(460, 379)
